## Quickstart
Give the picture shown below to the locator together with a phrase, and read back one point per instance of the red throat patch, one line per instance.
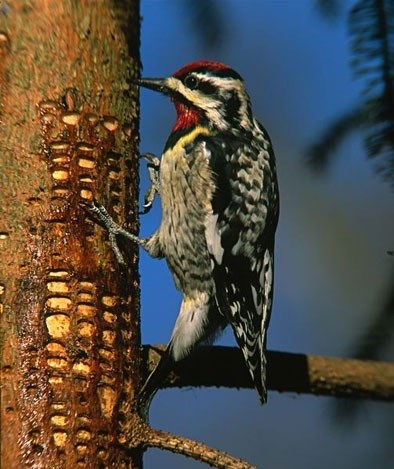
(187, 116)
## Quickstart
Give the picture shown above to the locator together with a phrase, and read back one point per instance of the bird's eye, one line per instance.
(191, 82)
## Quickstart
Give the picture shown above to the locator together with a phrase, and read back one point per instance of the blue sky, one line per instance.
(331, 262)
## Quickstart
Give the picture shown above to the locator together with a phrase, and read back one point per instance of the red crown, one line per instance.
(200, 64)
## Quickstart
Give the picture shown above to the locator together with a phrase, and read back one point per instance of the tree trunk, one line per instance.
(70, 340)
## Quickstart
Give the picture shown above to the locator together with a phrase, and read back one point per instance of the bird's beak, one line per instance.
(156, 84)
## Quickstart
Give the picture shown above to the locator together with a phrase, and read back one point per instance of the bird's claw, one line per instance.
(100, 215)
(153, 164)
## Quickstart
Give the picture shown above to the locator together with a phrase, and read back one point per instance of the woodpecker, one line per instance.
(220, 208)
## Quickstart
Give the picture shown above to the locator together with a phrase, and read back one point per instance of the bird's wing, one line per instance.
(240, 238)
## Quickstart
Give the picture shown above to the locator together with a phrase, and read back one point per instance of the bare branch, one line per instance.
(199, 451)
(141, 435)
(287, 372)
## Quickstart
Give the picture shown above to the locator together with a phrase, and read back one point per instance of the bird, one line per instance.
(218, 187)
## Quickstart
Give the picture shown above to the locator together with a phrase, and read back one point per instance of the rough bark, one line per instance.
(70, 340)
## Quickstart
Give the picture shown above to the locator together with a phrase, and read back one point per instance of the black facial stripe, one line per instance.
(207, 87)
(227, 73)
(233, 105)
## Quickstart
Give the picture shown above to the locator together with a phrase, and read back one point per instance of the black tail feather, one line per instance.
(152, 383)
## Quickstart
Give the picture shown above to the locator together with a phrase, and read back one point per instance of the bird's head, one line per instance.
(206, 93)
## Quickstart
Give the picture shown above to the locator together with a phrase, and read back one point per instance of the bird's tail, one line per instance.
(152, 384)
